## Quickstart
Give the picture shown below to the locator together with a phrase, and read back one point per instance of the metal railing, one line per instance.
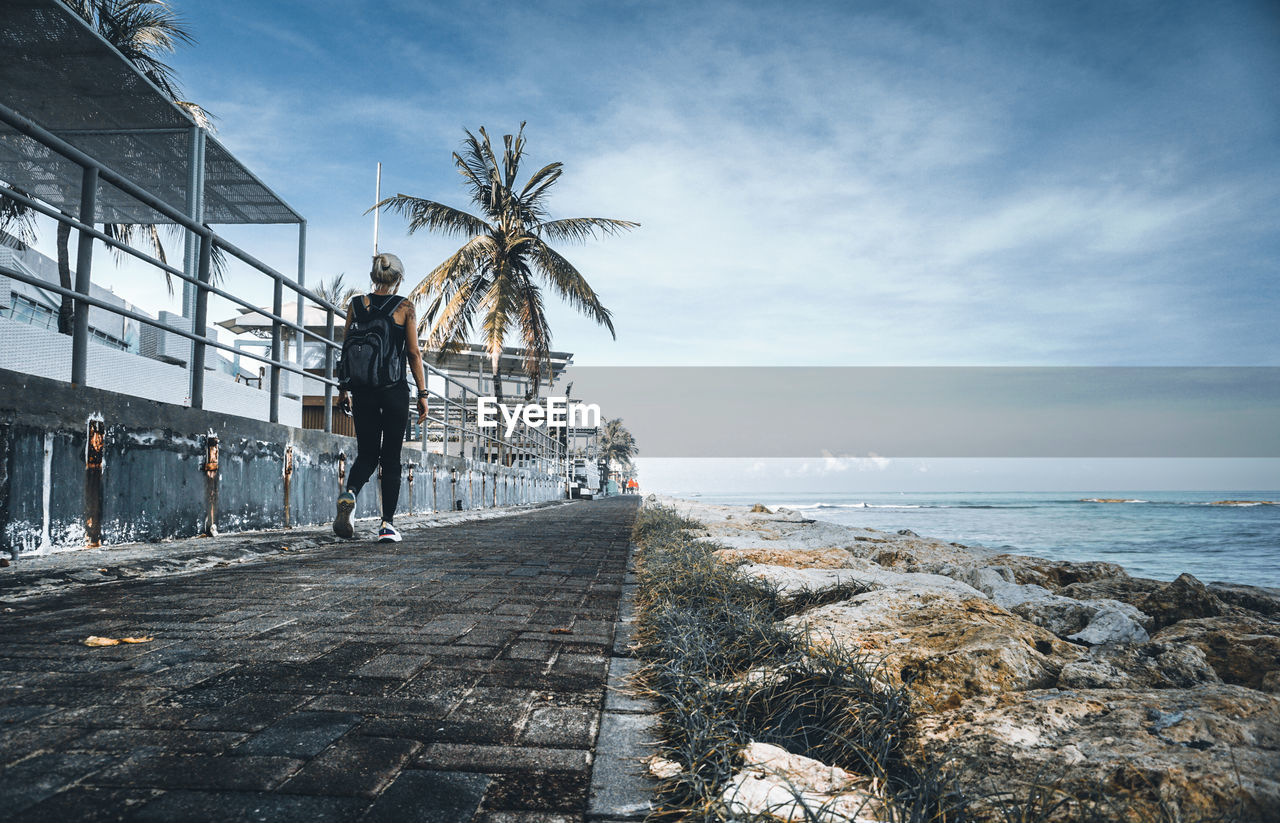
(452, 419)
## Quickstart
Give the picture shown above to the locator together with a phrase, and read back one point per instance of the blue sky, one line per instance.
(845, 184)
(826, 184)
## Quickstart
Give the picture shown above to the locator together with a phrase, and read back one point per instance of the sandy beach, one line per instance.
(1022, 669)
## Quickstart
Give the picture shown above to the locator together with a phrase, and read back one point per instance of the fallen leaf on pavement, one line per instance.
(94, 640)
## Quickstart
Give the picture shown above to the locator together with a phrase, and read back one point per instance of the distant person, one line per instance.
(381, 335)
(633, 487)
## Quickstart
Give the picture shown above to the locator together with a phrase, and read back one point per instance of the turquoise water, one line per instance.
(1159, 534)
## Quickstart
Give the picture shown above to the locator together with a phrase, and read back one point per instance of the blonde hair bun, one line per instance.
(387, 269)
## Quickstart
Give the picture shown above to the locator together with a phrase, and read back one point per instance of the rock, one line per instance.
(1110, 626)
(791, 558)
(791, 580)
(760, 509)
(944, 647)
(1264, 601)
(1125, 589)
(1054, 574)
(1184, 599)
(1061, 615)
(1094, 622)
(1243, 650)
(1146, 666)
(1208, 753)
(907, 533)
(775, 783)
(662, 768)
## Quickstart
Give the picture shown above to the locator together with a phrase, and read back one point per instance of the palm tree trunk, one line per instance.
(65, 313)
(496, 372)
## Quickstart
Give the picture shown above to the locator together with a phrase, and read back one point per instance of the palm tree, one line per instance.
(617, 445)
(496, 277)
(336, 291)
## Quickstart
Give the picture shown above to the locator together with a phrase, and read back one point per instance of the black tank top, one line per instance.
(388, 303)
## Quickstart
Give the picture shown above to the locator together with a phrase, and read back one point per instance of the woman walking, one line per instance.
(381, 335)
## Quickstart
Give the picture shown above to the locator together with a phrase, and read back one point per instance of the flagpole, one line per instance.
(377, 198)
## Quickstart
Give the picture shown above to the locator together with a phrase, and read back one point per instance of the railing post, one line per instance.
(201, 321)
(277, 303)
(84, 266)
(447, 411)
(301, 316)
(328, 371)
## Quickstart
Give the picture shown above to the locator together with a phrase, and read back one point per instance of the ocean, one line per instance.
(1152, 534)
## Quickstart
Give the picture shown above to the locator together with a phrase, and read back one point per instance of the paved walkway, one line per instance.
(458, 675)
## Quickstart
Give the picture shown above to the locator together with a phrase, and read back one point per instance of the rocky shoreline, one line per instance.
(1024, 670)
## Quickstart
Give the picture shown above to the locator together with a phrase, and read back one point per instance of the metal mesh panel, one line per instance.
(59, 73)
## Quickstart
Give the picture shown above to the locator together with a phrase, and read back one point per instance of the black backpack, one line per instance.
(370, 359)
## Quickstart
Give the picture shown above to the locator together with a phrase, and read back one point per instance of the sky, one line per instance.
(818, 183)
(850, 183)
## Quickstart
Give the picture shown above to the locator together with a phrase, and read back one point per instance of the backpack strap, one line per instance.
(389, 308)
(360, 307)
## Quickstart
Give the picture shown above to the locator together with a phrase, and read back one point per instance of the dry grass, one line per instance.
(703, 627)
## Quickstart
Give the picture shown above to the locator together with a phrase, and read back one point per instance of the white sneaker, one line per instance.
(343, 525)
(388, 534)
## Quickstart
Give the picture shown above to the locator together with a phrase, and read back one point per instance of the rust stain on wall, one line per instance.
(95, 444)
(210, 467)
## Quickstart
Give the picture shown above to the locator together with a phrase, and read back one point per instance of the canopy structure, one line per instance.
(473, 362)
(258, 323)
(56, 71)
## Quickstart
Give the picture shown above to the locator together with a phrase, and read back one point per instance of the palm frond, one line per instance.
(474, 168)
(514, 151)
(450, 330)
(581, 229)
(335, 291)
(198, 113)
(462, 265)
(534, 331)
(571, 285)
(433, 216)
(16, 218)
(500, 304)
(541, 181)
(141, 30)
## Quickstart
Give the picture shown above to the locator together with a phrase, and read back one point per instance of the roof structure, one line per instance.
(315, 318)
(472, 360)
(475, 357)
(58, 72)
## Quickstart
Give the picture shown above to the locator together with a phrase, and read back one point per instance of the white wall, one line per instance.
(46, 353)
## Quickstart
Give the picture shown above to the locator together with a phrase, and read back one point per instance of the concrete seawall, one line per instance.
(82, 466)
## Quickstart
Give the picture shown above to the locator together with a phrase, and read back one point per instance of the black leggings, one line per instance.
(381, 416)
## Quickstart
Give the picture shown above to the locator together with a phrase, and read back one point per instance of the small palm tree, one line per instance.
(336, 291)
(617, 445)
(496, 278)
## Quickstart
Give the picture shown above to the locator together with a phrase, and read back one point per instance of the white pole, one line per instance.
(377, 198)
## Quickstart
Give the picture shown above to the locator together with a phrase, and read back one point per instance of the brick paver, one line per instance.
(458, 675)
